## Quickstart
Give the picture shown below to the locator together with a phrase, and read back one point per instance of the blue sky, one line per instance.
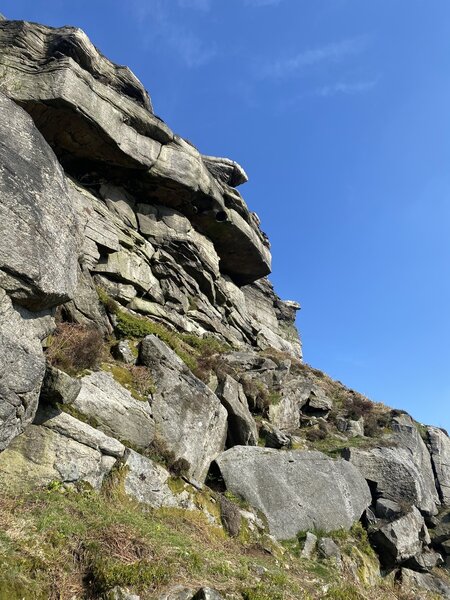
(339, 110)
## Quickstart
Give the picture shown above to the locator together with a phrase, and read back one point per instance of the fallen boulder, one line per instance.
(296, 490)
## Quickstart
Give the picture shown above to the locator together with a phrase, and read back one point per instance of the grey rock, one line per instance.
(40, 456)
(122, 351)
(241, 425)
(207, 594)
(147, 482)
(387, 509)
(285, 487)
(188, 415)
(400, 540)
(38, 246)
(439, 444)
(178, 593)
(424, 581)
(397, 475)
(22, 366)
(226, 170)
(112, 409)
(122, 292)
(59, 387)
(274, 438)
(327, 548)
(90, 109)
(72, 428)
(309, 546)
(407, 435)
(426, 561)
(119, 593)
(355, 428)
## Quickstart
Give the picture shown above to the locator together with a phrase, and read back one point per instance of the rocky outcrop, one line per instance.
(395, 474)
(439, 444)
(41, 456)
(187, 414)
(241, 425)
(296, 491)
(37, 262)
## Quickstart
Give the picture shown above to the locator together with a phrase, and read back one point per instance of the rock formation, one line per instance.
(145, 358)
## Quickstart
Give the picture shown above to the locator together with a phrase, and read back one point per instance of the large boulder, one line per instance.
(188, 415)
(424, 582)
(107, 405)
(402, 539)
(394, 474)
(439, 444)
(296, 490)
(41, 455)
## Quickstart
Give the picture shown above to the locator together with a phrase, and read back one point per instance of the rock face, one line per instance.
(38, 250)
(114, 225)
(167, 223)
(37, 262)
(394, 474)
(439, 444)
(285, 487)
(41, 455)
(187, 414)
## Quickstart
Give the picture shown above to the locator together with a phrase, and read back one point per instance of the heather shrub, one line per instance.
(74, 348)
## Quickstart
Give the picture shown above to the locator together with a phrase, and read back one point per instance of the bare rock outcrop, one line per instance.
(296, 490)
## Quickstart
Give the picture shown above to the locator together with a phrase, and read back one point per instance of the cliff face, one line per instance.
(143, 350)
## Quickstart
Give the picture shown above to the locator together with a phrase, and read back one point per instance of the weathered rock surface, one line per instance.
(402, 539)
(296, 490)
(395, 475)
(187, 414)
(37, 262)
(22, 366)
(72, 428)
(40, 456)
(424, 581)
(147, 482)
(439, 444)
(89, 108)
(38, 251)
(112, 409)
(241, 425)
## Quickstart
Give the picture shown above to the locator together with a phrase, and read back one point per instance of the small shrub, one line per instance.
(314, 435)
(74, 348)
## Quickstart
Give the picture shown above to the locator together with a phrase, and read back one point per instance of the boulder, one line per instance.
(327, 548)
(424, 581)
(188, 415)
(206, 593)
(76, 430)
(241, 425)
(40, 456)
(395, 474)
(309, 545)
(274, 438)
(387, 509)
(439, 445)
(38, 245)
(147, 482)
(400, 540)
(58, 387)
(111, 408)
(296, 490)
(178, 593)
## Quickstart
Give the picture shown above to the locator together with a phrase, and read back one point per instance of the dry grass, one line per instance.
(74, 348)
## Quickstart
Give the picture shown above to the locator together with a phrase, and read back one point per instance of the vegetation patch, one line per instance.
(74, 348)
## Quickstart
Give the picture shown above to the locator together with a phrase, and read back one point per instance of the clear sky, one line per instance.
(339, 110)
